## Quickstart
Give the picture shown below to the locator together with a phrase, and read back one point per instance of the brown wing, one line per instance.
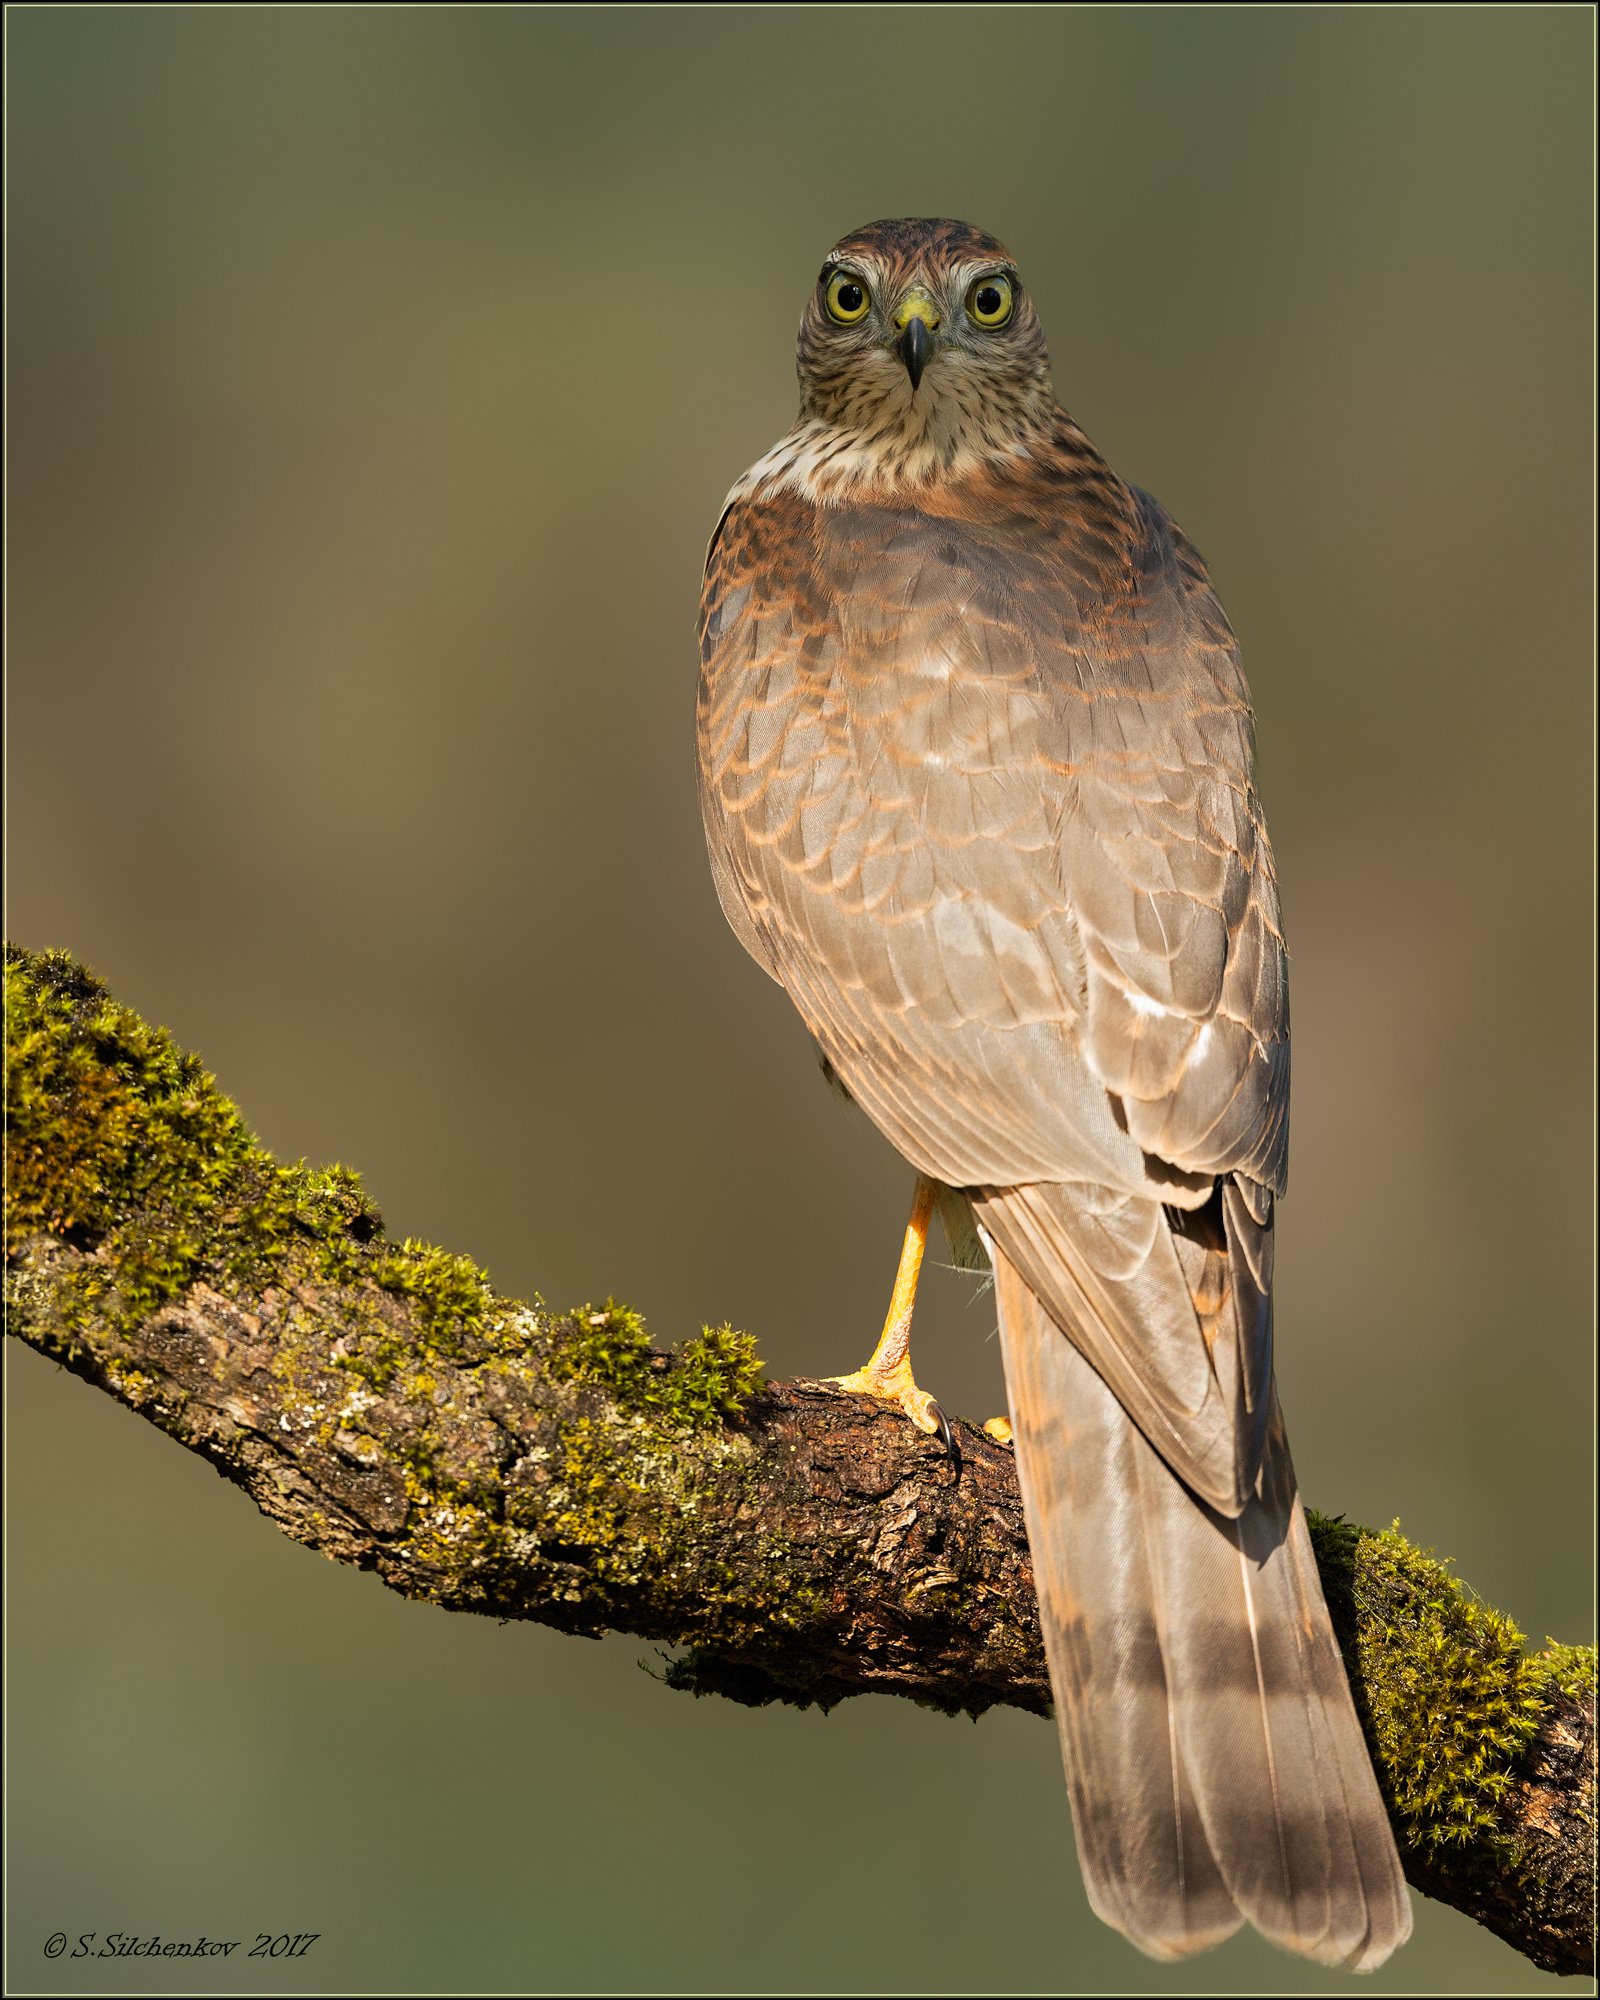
(978, 789)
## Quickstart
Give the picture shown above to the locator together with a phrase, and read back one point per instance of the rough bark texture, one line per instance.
(384, 1406)
(1544, 1905)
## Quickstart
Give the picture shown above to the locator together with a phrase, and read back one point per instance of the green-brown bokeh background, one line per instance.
(376, 378)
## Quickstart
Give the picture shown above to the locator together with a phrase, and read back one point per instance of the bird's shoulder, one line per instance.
(1047, 543)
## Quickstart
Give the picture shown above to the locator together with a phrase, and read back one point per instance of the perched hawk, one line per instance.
(976, 763)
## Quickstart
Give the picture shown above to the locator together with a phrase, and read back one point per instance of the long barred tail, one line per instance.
(1217, 1771)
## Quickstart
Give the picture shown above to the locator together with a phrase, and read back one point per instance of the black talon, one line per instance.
(947, 1437)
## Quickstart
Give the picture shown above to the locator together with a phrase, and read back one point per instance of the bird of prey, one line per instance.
(977, 773)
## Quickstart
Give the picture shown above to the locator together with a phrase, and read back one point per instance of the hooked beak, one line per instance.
(916, 321)
(913, 348)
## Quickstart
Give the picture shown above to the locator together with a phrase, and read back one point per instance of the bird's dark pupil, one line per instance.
(989, 300)
(849, 298)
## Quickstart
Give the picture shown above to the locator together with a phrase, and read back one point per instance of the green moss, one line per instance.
(118, 1141)
(1567, 1671)
(121, 1144)
(624, 1502)
(623, 1492)
(452, 1295)
(1452, 1697)
(707, 1378)
(107, 1122)
(716, 1374)
(608, 1348)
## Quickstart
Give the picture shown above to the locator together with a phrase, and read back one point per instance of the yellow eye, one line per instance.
(848, 299)
(991, 300)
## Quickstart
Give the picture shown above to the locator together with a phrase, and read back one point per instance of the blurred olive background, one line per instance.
(375, 381)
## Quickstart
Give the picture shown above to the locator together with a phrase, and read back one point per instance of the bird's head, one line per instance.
(919, 333)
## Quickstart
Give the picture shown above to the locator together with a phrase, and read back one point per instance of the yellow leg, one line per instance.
(888, 1373)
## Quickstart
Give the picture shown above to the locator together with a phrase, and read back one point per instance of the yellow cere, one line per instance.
(918, 303)
(990, 300)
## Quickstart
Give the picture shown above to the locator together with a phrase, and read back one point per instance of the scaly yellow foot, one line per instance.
(888, 1374)
(895, 1385)
(999, 1428)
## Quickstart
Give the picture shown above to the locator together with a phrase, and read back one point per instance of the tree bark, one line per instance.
(384, 1406)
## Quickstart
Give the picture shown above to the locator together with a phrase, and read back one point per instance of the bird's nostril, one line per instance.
(918, 303)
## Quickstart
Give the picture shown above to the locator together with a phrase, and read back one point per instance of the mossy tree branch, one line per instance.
(383, 1405)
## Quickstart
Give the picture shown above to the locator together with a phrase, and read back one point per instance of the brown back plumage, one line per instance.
(977, 770)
